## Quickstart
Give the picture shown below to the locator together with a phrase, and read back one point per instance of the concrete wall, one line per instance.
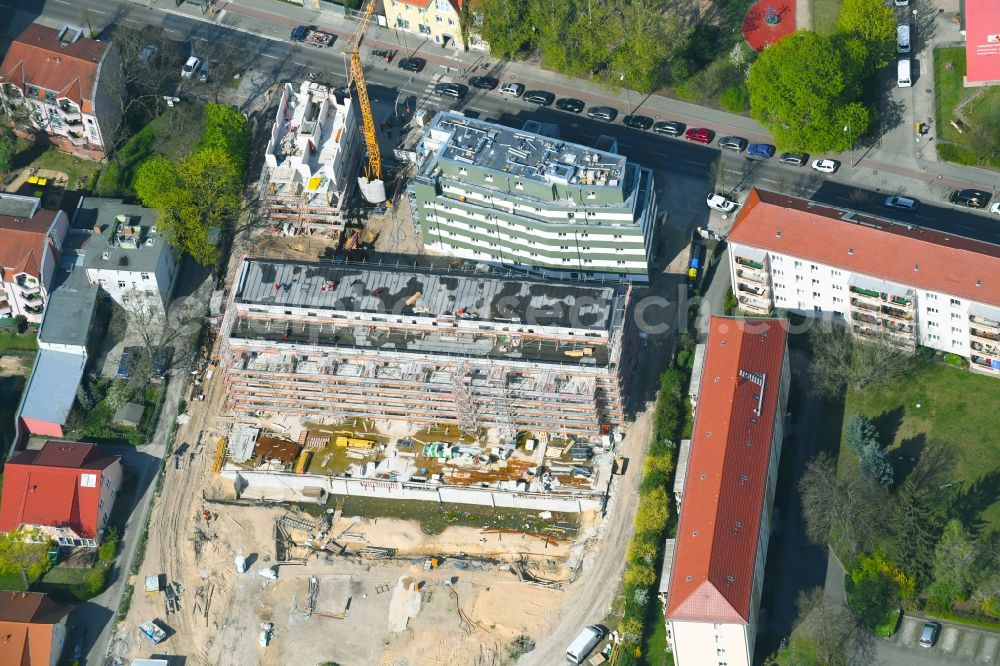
(293, 484)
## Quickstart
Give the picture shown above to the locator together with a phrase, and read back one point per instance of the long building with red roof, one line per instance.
(717, 572)
(69, 87)
(888, 280)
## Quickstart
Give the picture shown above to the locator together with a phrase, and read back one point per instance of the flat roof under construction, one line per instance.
(430, 293)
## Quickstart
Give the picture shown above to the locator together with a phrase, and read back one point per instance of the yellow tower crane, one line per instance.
(356, 75)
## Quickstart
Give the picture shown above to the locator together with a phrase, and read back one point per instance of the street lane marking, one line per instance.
(62, 2)
(267, 55)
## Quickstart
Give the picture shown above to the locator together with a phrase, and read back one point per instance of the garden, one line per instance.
(968, 124)
(97, 400)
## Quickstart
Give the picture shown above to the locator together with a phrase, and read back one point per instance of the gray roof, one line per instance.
(531, 156)
(358, 288)
(16, 205)
(52, 386)
(69, 311)
(129, 414)
(104, 213)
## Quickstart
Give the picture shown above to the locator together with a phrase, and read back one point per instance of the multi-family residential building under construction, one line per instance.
(311, 161)
(329, 341)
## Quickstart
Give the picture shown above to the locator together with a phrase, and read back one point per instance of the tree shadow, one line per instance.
(934, 465)
(888, 424)
(907, 456)
(969, 501)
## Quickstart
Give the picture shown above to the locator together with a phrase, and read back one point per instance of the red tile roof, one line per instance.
(870, 245)
(37, 57)
(982, 41)
(424, 4)
(44, 488)
(26, 627)
(22, 243)
(716, 544)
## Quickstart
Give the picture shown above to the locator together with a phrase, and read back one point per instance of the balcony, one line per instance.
(897, 328)
(992, 350)
(865, 294)
(865, 318)
(750, 263)
(977, 333)
(27, 285)
(744, 288)
(5, 310)
(755, 304)
(899, 301)
(864, 304)
(984, 322)
(35, 309)
(896, 313)
(69, 113)
(751, 275)
(866, 331)
(984, 365)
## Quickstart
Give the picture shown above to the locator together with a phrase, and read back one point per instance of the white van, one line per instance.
(903, 38)
(583, 644)
(903, 73)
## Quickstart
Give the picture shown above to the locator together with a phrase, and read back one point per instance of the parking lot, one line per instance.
(955, 644)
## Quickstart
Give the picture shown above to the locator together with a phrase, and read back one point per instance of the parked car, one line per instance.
(637, 122)
(203, 72)
(970, 198)
(735, 143)
(826, 166)
(928, 635)
(147, 52)
(190, 67)
(539, 97)
(720, 203)
(902, 203)
(484, 82)
(762, 150)
(412, 64)
(570, 104)
(129, 359)
(699, 134)
(453, 90)
(794, 159)
(995, 208)
(164, 357)
(512, 89)
(669, 127)
(605, 113)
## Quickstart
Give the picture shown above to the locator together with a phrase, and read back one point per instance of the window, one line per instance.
(424, 28)
(816, 294)
(798, 278)
(956, 329)
(121, 284)
(931, 336)
(439, 19)
(721, 652)
(815, 281)
(956, 315)
(838, 287)
(931, 297)
(145, 276)
(451, 21)
(955, 302)
(777, 271)
(402, 23)
(798, 264)
(835, 273)
(88, 480)
(932, 324)
(813, 267)
(838, 299)
(932, 310)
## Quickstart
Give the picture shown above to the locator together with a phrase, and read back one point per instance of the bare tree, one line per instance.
(846, 508)
(840, 360)
(141, 319)
(828, 625)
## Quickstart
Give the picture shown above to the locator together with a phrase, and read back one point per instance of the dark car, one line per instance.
(164, 357)
(669, 127)
(970, 198)
(484, 82)
(412, 64)
(902, 203)
(570, 104)
(699, 135)
(735, 143)
(602, 113)
(794, 159)
(453, 90)
(130, 358)
(637, 122)
(540, 97)
(762, 150)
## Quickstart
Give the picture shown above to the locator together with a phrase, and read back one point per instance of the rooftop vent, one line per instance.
(106, 255)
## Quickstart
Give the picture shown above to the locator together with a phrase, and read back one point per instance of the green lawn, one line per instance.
(11, 341)
(75, 167)
(980, 114)
(824, 15)
(943, 419)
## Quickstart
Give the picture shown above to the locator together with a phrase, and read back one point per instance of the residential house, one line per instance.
(65, 489)
(32, 629)
(30, 241)
(63, 341)
(436, 20)
(68, 87)
(717, 565)
(125, 252)
(527, 200)
(892, 281)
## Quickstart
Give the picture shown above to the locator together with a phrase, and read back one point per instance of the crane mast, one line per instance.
(356, 75)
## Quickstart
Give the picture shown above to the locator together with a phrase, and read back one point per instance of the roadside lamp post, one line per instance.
(628, 95)
(850, 136)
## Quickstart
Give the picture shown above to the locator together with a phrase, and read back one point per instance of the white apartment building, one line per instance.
(311, 160)
(907, 285)
(716, 570)
(125, 253)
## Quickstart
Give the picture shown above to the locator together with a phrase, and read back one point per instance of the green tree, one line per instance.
(858, 432)
(226, 130)
(875, 460)
(914, 528)
(8, 147)
(650, 50)
(876, 587)
(805, 91)
(874, 22)
(506, 27)
(954, 564)
(24, 551)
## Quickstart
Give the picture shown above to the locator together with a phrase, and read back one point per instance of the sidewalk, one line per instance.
(280, 17)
